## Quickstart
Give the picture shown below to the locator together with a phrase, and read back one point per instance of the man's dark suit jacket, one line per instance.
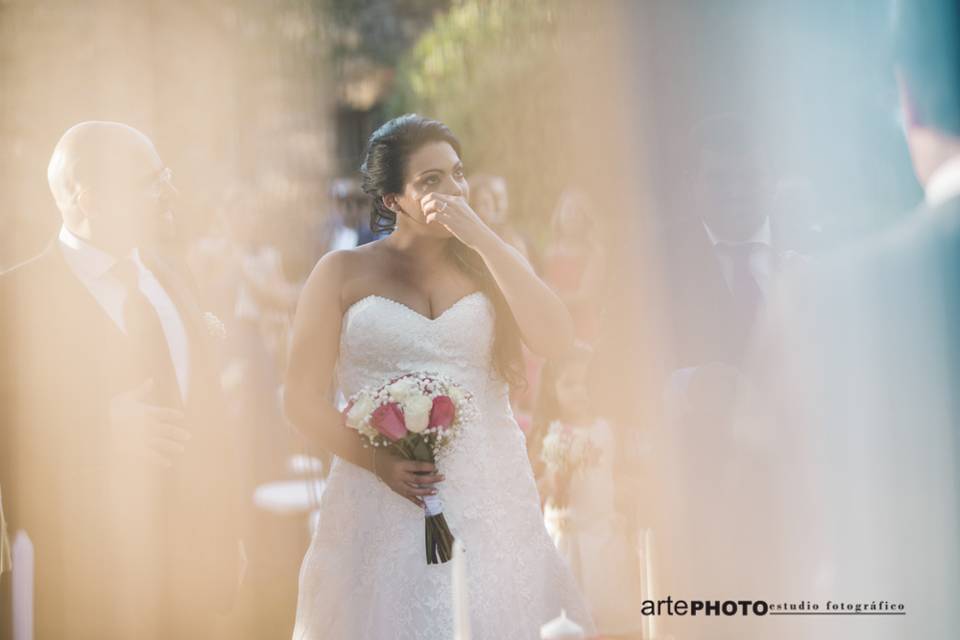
(708, 323)
(123, 548)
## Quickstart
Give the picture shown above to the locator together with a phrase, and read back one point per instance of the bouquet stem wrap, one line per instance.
(437, 535)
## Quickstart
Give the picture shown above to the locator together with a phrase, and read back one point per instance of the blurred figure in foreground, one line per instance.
(860, 362)
(115, 458)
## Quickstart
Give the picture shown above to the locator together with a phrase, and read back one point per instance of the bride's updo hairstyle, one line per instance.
(384, 171)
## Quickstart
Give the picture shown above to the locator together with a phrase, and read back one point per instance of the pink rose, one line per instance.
(442, 413)
(388, 420)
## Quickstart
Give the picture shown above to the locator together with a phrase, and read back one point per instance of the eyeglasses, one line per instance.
(156, 185)
(162, 184)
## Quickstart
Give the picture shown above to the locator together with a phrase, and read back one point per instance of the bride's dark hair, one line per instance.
(384, 171)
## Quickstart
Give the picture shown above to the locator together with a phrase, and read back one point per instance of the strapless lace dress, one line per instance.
(365, 576)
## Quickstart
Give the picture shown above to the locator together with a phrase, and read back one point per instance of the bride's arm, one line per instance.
(544, 322)
(307, 396)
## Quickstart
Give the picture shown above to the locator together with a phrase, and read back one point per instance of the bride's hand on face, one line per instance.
(454, 213)
(408, 478)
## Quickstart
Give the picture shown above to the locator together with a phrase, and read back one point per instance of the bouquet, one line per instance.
(565, 451)
(418, 416)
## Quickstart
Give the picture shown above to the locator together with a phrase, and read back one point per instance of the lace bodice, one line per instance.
(381, 338)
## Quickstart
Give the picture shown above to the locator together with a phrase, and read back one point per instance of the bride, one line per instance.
(441, 293)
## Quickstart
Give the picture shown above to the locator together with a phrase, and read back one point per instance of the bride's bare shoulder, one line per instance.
(337, 271)
(347, 263)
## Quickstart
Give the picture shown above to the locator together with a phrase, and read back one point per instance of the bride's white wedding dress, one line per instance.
(365, 576)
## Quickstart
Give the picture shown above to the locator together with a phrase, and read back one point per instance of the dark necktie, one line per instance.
(148, 341)
(746, 292)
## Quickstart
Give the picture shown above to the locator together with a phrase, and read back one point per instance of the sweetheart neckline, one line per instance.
(411, 309)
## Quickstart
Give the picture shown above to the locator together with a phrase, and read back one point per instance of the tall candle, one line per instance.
(461, 601)
(22, 583)
(649, 629)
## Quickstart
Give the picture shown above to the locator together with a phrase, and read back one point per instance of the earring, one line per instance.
(392, 206)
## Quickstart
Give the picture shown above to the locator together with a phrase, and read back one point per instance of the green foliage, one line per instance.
(381, 30)
(491, 71)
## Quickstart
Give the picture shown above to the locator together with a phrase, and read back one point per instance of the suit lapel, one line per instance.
(182, 298)
(201, 355)
(71, 296)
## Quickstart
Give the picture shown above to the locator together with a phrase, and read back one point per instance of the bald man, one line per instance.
(115, 457)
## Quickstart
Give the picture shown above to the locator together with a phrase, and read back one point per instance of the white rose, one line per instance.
(416, 413)
(362, 408)
(403, 389)
(457, 396)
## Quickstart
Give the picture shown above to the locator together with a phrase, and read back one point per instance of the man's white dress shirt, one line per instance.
(92, 266)
(762, 265)
(944, 183)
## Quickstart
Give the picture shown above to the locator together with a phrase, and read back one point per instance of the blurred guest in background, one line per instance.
(724, 259)
(266, 298)
(574, 263)
(347, 225)
(713, 479)
(798, 220)
(250, 379)
(117, 460)
(725, 256)
(589, 475)
(489, 198)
